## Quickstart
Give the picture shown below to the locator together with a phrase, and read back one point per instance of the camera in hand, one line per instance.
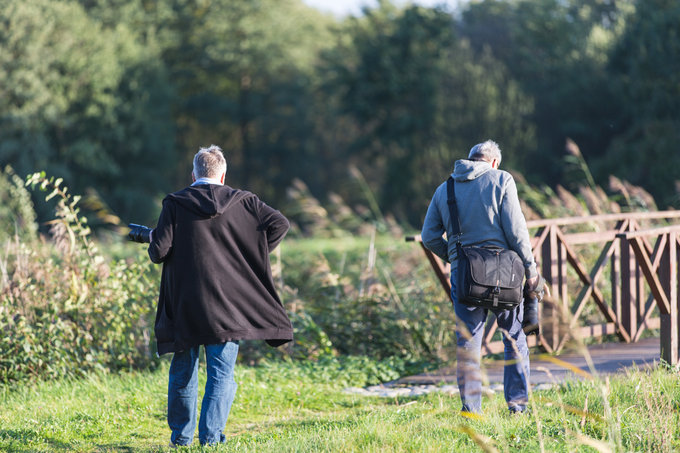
(532, 297)
(139, 233)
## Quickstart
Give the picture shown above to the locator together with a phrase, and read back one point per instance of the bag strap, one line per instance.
(453, 208)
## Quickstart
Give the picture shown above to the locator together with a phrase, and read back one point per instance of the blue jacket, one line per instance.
(489, 211)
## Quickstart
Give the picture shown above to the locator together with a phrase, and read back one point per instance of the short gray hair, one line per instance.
(209, 162)
(487, 151)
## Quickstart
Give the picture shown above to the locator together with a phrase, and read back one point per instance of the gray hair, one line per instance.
(487, 151)
(209, 162)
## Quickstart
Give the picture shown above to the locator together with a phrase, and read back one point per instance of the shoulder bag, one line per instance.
(487, 277)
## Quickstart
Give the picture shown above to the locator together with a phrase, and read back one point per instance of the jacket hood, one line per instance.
(467, 170)
(209, 200)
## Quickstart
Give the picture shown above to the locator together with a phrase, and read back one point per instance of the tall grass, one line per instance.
(297, 406)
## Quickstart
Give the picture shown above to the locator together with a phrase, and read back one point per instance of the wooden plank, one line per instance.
(592, 237)
(658, 249)
(545, 344)
(596, 293)
(615, 276)
(563, 221)
(540, 239)
(653, 281)
(440, 269)
(592, 331)
(653, 231)
(673, 343)
(489, 328)
(553, 329)
(644, 318)
(616, 269)
(651, 323)
(628, 284)
(669, 321)
(585, 278)
(496, 347)
(597, 330)
(595, 274)
(562, 266)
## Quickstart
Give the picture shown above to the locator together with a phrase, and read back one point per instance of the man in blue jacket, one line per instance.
(216, 289)
(490, 216)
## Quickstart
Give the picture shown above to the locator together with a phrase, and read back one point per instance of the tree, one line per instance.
(646, 72)
(421, 100)
(83, 103)
(557, 51)
(244, 72)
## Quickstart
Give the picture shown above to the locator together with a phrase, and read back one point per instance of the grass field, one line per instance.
(284, 406)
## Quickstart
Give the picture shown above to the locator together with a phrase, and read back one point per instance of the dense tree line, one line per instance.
(117, 95)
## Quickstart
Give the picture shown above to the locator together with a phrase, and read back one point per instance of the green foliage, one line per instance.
(244, 73)
(648, 80)
(17, 216)
(421, 99)
(82, 102)
(557, 51)
(299, 406)
(64, 310)
(115, 96)
(371, 297)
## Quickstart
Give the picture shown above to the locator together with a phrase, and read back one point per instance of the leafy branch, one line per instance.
(69, 223)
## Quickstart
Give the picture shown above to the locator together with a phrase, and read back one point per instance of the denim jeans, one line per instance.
(469, 333)
(220, 389)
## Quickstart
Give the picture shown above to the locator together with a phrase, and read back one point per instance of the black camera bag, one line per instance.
(487, 277)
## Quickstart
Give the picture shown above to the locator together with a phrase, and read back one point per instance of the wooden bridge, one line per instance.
(612, 274)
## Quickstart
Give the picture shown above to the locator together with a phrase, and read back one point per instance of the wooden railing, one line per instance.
(635, 270)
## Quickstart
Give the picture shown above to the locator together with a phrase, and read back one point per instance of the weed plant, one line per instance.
(64, 309)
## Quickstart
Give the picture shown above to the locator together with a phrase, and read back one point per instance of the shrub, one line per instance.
(369, 297)
(63, 309)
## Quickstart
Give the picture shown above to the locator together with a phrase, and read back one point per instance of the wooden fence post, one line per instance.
(668, 276)
(550, 271)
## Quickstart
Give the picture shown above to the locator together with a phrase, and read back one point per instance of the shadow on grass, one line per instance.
(118, 447)
(24, 436)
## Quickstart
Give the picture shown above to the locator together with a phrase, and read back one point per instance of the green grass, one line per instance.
(301, 407)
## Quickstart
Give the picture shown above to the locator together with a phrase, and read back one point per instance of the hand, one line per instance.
(533, 287)
(139, 233)
(532, 283)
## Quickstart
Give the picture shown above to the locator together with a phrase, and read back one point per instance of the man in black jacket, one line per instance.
(216, 288)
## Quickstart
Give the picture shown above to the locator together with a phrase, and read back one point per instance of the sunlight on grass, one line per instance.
(283, 407)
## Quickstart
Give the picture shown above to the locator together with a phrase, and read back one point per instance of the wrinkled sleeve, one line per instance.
(274, 223)
(515, 227)
(161, 239)
(433, 230)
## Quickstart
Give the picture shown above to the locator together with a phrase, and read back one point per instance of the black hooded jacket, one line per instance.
(216, 286)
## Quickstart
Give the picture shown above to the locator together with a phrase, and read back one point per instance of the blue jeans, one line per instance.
(469, 333)
(220, 389)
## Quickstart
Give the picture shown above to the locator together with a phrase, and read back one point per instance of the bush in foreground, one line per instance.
(65, 310)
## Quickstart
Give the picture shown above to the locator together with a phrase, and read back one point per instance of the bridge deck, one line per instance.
(607, 358)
